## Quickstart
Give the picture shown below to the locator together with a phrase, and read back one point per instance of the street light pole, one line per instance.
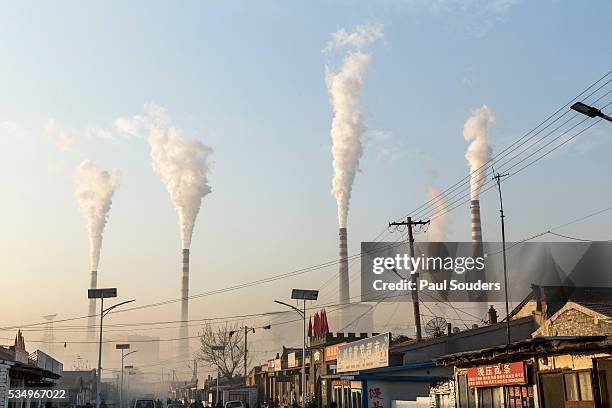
(302, 294)
(99, 379)
(222, 349)
(102, 294)
(304, 356)
(123, 347)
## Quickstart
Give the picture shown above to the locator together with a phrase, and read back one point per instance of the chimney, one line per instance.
(93, 284)
(343, 271)
(183, 331)
(492, 315)
(475, 218)
(477, 252)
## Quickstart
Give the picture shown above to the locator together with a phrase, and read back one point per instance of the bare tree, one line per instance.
(230, 360)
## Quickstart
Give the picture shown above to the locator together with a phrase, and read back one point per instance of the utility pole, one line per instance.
(414, 275)
(246, 332)
(247, 329)
(497, 177)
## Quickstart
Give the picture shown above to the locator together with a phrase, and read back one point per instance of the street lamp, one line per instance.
(246, 331)
(123, 347)
(103, 294)
(221, 349)
(590, 111)
(304, 295)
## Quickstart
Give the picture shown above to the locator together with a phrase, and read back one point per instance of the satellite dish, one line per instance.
(436, 327)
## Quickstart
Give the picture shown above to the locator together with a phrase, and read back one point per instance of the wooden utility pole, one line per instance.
(414, 275)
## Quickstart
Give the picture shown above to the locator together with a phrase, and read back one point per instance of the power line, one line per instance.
(447, 210)
(465, 179)
(213, 292)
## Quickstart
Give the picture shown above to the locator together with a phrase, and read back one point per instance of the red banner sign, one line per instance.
(331, 352)
(496, 374)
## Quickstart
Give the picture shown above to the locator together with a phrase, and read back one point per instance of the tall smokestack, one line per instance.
(475, 218)
(343, 271)
(93, 284)
(478, 155)
(184, 332)
(94, 191)
(477, 252)
(347, 129)
(182, 163)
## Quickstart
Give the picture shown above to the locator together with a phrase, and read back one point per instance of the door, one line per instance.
(552, 390)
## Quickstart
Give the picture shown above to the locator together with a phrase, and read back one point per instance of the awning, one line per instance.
(538, 346)
(375, 373)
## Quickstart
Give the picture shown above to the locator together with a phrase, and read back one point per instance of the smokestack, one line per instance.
(477, 252)
(94, 191)
(475, 218)
(93, 284)
(183, 331)
(343, 271)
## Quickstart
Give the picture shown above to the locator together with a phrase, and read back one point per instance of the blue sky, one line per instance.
(247, 79)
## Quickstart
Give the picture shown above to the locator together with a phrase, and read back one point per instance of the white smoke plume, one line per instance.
(347, 128)
(436, 232)
(359, 38)
(94, 192)
(182, 165)
(476, 131)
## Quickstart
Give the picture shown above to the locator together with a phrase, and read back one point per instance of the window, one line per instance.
(571, 387)
(566, 386)
(578, 386)
(522, 397)
(586, 387)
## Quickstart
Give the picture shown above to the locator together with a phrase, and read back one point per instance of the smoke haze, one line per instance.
(347, 128)
(476, 131)
(436, 231)
(182, 164)
(94, 192)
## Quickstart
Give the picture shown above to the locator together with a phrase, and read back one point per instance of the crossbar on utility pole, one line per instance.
(497, 177)
(414, 275)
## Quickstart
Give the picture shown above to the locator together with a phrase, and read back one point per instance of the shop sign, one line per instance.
(496, 374)
(363, 354)
(284, 378)
(291, 360)
(331, 352)
(277, 364)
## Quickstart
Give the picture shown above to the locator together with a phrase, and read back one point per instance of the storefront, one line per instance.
(323, 348)
(543, 372)
(509, 384)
